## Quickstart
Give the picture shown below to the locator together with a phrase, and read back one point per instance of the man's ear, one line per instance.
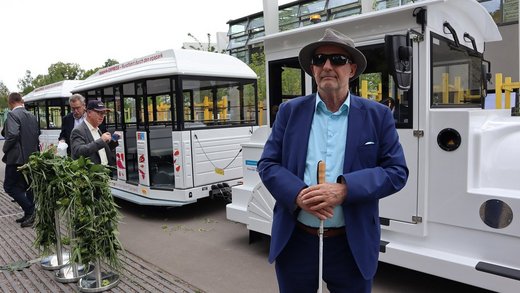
(353, 69)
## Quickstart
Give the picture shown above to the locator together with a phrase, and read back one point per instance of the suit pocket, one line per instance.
(367, 154)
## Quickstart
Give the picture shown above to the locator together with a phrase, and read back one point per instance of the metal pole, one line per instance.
(320, 273)
(98, 273)
(58, 237)
(321, 179)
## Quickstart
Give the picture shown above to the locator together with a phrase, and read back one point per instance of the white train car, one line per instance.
(182, 116)
(457, 216)
(50, 103)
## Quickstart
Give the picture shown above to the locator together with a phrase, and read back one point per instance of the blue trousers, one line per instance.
(297, 266)
(16, 186)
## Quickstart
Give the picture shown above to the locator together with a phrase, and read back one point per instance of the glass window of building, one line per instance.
(289, 18)
(338, 3)
(502, 11)
(237, 28)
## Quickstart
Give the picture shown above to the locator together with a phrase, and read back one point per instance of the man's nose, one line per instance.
(327, 64)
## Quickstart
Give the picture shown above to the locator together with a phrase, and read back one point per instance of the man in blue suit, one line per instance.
(357, 140)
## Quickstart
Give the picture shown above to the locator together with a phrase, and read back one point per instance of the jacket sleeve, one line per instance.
(12, 132)
(283, 184)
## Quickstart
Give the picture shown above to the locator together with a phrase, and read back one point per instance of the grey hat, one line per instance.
(333, 37)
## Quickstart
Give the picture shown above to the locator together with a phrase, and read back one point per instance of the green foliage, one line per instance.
(57, 72)
(25, 84)
(258, 65)
(4, 93)
(80, 189)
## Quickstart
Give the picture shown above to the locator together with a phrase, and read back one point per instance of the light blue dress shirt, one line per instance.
(327, 142)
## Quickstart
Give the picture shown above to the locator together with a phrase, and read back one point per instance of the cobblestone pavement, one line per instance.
(16, 245)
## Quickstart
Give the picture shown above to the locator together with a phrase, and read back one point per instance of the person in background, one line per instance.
(73, 119)
(89, 141)
(21, 140)
(357, 140)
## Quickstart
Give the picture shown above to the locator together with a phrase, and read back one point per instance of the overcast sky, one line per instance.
(37, 33)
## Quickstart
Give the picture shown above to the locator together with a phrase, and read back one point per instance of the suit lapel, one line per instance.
(301, 139)
(356, 118)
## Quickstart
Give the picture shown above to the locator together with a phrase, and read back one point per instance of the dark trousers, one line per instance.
(16, 186)
(297, 266)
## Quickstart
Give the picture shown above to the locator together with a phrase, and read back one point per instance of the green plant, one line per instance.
(50, 180)
(94, 215)
(81, 189)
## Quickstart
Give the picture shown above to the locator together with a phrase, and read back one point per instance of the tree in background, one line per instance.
(258, 65)
(4, 93)
(57, 72)
(25, 84)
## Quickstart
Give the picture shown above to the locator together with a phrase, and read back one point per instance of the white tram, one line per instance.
(181, 116)
(457, 216)
(49, 104)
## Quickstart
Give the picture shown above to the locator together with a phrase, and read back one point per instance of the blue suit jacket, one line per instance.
(374, 167)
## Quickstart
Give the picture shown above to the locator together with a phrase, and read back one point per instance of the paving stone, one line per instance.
(137, 274)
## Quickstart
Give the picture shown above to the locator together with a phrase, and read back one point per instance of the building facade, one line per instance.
(245, 33)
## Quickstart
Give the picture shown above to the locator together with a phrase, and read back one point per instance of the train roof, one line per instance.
(61, 89)
(167, 63)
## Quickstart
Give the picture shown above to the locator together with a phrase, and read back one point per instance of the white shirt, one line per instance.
(77, 121)
(96, 134)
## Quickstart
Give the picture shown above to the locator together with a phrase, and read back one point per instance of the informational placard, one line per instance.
(120, 157)
(142, 158)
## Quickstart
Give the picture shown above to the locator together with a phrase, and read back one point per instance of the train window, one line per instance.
(377, 84)
(218, 103)
(456, 74)
(55, 113)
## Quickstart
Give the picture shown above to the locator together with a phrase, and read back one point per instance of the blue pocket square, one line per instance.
(369, 142)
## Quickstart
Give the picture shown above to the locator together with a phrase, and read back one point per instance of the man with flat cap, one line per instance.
(357, 140)
(88, 141)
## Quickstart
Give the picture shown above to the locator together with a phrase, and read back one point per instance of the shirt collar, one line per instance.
(90, 127)
(321, 105)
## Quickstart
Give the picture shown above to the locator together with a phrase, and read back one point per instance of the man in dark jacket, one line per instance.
(21, 140)
(73, 119)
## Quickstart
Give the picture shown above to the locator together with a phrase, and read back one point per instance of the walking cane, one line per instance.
(321, 179)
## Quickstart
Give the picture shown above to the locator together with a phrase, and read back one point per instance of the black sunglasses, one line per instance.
(335, 59)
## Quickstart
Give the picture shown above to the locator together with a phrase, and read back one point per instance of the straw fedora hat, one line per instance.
(333, 37)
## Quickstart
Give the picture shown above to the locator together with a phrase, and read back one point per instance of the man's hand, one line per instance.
(321, 199)
(106, 137)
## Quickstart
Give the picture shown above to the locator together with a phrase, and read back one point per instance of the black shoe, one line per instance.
(22, 219)
(28, 222)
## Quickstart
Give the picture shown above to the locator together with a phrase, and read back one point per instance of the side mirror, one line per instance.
(486, 77)
(399, 57)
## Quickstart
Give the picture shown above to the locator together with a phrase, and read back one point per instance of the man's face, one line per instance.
(78, 109)
(95, 118)
(330, 77)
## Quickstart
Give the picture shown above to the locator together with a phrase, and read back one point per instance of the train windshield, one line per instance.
(456, 74)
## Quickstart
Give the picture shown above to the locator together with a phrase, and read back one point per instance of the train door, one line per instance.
(158, 112)
(130, 114)
(286, 81)
(376, 83)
